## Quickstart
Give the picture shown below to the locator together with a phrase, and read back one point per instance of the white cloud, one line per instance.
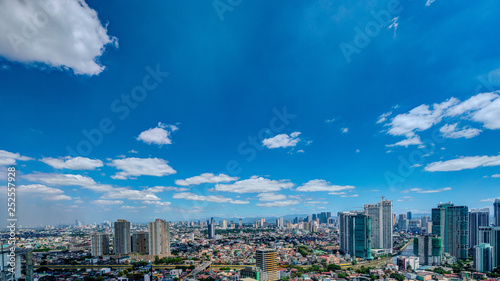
(358, 151)
(383, 117)
(429, 2)
(322, 185)
(489, 200)
(394, 24)
(73, 163)
(255, 184)
(60, 197)
(420, 190)
(9, 158)
(495, 176)
(344, 130)
(463, 163)
(130, 194)
(39, 189)
(77, 37)
(134, 167)
(107, 202)
(483, 108)
(68, 180)
(159, 135)
(337, 193)
(133, 151)
(352, 195)
(284, 203)
(271, 196)
(300, 151)
(210, 198)
(206, 178)
(414, 140)
(451, 131)
(282, 140)
(330, 120)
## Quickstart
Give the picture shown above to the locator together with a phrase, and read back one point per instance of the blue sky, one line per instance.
(247, 108)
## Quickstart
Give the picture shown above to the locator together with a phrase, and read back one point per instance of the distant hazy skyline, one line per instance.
(179, 111)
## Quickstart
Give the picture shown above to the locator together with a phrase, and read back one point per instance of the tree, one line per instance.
(333, 267)
(398, 276)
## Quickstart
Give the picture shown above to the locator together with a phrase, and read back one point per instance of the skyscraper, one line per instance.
(224, 224)
(159, 237)
(483, 257)
(451, 223)
(496, 211)
(140, 243)
(122, 241)
(355, 236)
(408, 216)
(240, 223)
(99, 244)
(477, 218)
(211, 229)
(381, 223)
(428, 248)
(491, 235)
(267, 262)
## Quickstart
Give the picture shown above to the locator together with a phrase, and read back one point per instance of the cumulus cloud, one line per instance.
(210, 198)
(205, 178)
(330, 120)
(39, 188)
(9, 158)
(451, 131)
(68, 180)
(322, 185)
(134, 167)
(482, 108)
(60, 34)
(352, 195)
(344, 130)
(282, 140)
(159, 135)
(130, 194)
(255, 184)
(383, 117)
(73, 163)
(463, 163)
(284, 203)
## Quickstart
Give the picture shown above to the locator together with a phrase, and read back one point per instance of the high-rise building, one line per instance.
(355, 236)
(140, 243)
(425, 220)
(224, 224)
(408, 263)
(122, 241)
(99, 244)
(496, 211)
(314, 217)
(415, 226)
(159, 237)
(211, 229)
(477, 218)
(394, 221)
(29, 266)
(491, 235)
(266, 260)
(240, 223)
(381, 222)
(408, 216)
(483, 257)
(451, 223)
(403, 224)
(428, 248)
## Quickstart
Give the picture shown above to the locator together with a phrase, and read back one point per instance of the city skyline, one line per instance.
(261, 111)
